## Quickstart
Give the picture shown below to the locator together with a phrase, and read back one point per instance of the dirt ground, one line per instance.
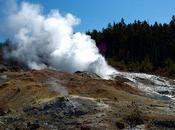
(51, 100)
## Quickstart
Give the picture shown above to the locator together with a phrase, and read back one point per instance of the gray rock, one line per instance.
(87, 74)
(3, 68)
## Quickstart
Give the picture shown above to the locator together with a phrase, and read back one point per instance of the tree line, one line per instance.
(138, 46)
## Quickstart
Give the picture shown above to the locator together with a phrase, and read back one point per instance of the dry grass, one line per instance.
(128, 105)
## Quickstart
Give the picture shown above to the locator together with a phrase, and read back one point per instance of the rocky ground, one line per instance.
(54, 100)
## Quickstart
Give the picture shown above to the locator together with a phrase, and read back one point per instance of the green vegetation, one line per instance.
(138, 46)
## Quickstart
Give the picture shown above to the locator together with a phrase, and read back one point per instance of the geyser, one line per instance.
(49, 41)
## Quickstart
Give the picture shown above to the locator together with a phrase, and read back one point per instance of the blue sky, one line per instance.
(96, 14)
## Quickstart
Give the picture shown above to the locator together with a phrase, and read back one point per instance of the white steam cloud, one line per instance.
(49, 41)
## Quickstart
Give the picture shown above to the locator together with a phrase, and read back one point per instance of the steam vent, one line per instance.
(56, 75)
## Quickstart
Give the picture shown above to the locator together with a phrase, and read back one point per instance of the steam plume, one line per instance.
(49, 41)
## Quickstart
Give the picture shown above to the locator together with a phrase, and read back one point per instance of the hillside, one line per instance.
(48, 99)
